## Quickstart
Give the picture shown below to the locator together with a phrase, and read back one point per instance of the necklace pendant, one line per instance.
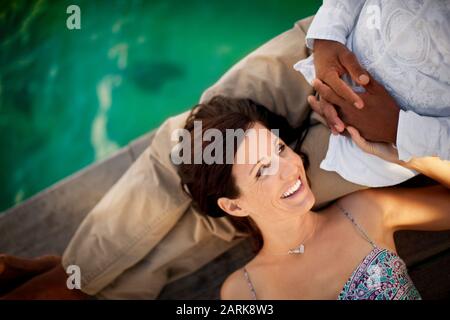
(299, 250)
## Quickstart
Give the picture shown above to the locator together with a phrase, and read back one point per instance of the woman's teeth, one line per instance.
(292, 189)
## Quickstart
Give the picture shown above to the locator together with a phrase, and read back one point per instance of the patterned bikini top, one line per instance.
(382, 275)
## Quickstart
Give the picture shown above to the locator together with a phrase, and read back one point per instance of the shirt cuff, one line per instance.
(417, 136)
(329, 24)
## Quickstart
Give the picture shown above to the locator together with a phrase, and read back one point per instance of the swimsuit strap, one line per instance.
(250, 284)
(360, 229)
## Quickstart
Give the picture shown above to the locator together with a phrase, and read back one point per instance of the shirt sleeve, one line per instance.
(421, 136)
(334, 20)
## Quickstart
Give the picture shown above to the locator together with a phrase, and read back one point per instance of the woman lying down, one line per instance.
(345, 251)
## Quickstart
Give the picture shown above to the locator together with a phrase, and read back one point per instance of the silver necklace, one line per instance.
(297, 250)
(300, 249)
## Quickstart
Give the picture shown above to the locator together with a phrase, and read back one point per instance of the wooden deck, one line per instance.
(45, 223)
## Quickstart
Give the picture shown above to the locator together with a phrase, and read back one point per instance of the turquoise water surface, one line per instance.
(69, 98)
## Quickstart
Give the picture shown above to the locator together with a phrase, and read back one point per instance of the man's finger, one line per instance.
(345, 92)
(373, 86)
(351, 64)
(336, 85)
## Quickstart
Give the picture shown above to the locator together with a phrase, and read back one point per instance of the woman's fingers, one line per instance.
(384, 151)
(332, 116)
(359, 140)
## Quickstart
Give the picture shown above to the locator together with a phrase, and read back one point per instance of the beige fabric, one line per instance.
(144, 233)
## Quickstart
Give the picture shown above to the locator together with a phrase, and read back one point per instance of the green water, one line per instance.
(69, 98)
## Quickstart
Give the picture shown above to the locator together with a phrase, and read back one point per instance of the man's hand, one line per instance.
(331, 61)
(377, 121)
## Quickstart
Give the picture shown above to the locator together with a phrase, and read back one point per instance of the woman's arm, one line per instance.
(425, 209)
(433, 167)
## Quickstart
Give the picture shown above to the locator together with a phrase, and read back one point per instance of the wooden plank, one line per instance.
(417, 246)
(432, 276)
(45, 223)
(205, 283)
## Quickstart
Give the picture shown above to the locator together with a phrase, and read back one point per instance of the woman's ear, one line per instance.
(231, 207)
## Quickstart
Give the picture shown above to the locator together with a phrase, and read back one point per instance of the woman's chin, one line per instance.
(308, 202)
(312, 200)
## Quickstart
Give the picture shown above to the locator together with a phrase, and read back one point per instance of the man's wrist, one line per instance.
(392, 133)
(325, 42)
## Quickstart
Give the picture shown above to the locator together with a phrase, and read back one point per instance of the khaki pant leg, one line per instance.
(132, 217)
(192, 243)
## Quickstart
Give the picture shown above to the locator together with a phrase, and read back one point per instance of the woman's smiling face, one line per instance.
(273, 186)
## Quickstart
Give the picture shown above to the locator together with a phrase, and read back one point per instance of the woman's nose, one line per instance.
(289, 168)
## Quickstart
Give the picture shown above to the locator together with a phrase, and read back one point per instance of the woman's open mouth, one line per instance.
(293, 190)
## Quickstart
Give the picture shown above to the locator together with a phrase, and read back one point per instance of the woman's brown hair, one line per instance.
(206, 183)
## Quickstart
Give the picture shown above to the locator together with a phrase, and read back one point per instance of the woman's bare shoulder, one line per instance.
(366, 201)
(235, 287)
(370, 208)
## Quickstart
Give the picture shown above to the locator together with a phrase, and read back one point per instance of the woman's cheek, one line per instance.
(257, 194)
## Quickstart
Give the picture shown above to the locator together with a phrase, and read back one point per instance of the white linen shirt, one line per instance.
(405, 45)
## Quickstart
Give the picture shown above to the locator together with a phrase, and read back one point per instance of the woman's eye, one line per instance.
(281, 147)
(260, 170)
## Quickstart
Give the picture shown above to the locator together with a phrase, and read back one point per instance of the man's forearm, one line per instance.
(51, 285)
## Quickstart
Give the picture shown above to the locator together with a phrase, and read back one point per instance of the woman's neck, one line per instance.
(282, 236)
